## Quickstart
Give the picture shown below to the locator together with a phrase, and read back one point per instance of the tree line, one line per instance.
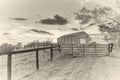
(34, 44)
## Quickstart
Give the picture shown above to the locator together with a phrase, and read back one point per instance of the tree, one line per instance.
(84, 16)
(7, 47)
(19, 45)
(113, 30)
(107, 19)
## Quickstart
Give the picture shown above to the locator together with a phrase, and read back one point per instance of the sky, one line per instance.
(13, 31)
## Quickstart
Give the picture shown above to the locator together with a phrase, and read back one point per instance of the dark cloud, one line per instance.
(19, 19)
(58, 20)
(5, 34)
(74, 29)
(41, 31)
(91, 24)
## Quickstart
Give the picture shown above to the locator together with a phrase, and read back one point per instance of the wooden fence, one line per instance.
(70, 48)
(96, 49)
(52, 47)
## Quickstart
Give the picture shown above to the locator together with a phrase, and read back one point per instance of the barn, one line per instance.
(81, 43)
(75, 38)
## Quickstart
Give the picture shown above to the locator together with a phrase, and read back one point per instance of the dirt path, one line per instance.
(77, 69)
(106, 68)
(82, 68)
(65, 69)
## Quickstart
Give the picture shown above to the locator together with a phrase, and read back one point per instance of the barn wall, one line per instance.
(73, 39)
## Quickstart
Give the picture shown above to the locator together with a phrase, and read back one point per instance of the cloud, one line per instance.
(74, 29)
(5, 34)
(18, 19)
(91, 24)
(41, 31)
(58, 20)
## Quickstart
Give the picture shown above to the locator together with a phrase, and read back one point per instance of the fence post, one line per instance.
(37, 60)
(72, 49)
(83, 50)
(59, 48)
(108, 49)
(51, 52)
(44, 47)
(9, 66)
(95, 50)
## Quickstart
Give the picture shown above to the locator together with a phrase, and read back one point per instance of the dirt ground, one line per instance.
(63, 67)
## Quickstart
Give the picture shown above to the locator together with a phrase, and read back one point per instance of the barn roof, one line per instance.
(74, 34)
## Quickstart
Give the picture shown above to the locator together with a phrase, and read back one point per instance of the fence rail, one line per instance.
(25, 50)
(95, 49)
(52, 48)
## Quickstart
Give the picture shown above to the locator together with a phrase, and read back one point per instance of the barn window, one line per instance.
(82, 41)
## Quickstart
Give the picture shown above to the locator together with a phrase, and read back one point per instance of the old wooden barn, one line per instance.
(80, 43)
(75, 38)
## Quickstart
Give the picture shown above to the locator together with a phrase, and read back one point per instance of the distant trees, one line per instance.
(34, 44)
(6, 47)
(19, 45)
(84, 15)
(9, 47)
(37, 43)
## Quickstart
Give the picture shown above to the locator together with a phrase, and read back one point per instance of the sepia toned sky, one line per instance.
(32, 8)
(14, 31)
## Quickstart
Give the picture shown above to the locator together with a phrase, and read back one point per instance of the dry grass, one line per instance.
(63, 67)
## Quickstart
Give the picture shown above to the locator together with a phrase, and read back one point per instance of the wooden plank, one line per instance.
(9, 67)
(37, 60)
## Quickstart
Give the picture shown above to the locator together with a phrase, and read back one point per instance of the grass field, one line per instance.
(63, 67)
